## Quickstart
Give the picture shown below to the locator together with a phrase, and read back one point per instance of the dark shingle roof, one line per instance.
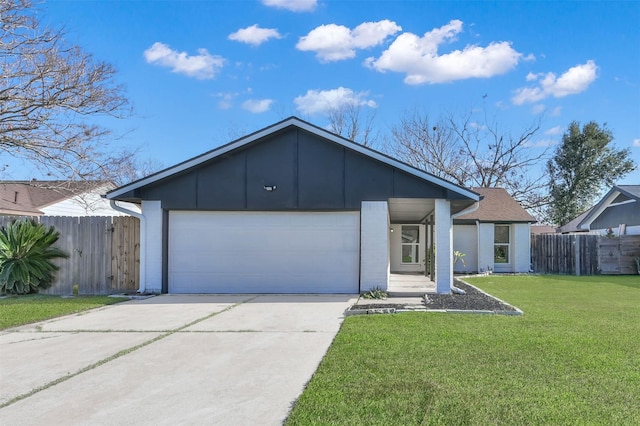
(572, 226)
(497, 206)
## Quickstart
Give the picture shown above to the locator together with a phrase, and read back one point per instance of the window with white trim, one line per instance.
(410, 235)
(501, 243)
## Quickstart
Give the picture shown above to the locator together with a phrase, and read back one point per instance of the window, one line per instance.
(410, 243)
(501, 243)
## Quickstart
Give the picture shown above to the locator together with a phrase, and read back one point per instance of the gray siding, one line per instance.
(310, 173)
(611, 217)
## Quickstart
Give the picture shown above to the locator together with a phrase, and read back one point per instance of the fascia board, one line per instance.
(598, 209)
(307, 127)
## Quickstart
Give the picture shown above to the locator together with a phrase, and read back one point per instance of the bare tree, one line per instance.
(348, 122)
(428, 146)
(49, 91)
(128, 166)
(472, 154)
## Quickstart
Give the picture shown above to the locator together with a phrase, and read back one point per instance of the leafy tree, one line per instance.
(26, 254)
(582, 166)
(49, 91)
(472, 153)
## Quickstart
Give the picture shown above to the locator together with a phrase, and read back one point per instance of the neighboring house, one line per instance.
(618, 210)
(494, 237)
(56, 198)
(291, 208)
(541, 229)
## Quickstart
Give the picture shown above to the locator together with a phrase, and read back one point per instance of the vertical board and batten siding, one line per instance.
(584, 254)
(104, 253)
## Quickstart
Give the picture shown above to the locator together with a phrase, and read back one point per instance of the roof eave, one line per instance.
(291, 121)
(596, 210)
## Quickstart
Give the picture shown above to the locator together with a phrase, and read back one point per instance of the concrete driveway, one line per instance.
(211, 359)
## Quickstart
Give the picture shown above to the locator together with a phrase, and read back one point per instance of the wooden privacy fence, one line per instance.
(104, 253)
(584, 254)
(618, 255)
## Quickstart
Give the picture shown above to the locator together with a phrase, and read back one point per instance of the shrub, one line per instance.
(375, 293)
(26, 252)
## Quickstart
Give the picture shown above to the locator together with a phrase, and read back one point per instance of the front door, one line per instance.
(407, 248)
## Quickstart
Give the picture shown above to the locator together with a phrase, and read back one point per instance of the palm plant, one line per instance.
(26, 254)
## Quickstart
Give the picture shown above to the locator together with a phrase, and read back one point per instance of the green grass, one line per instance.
(20, 310)
(573, 358)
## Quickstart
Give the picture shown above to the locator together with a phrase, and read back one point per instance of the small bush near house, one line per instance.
(375, 293)
(26, 254)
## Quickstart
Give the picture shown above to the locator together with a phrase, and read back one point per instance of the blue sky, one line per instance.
(200, 73)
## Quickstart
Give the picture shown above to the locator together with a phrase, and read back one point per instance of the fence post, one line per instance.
(576, 247)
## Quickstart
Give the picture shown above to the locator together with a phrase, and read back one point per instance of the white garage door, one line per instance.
(263, 252)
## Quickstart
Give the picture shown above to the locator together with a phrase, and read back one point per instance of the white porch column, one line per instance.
(151, 247)
(374, 245)
(444, 246)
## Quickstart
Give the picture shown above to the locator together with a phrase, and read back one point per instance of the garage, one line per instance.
(263, 252)
(291, 208)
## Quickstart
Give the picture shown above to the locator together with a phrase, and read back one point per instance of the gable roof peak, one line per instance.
(274, 128)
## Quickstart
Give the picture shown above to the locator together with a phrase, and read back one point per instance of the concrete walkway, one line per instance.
(410, 285)
(168, 360)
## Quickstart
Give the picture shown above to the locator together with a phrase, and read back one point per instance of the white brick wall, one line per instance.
(444, 246)
(374, 245)
(522, 247)
(485, 246)
(151, 246)
(465, 240)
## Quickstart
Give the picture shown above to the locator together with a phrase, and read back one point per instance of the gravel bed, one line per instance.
(473, 300)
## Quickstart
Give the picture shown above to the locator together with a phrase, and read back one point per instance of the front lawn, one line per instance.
(573, 358)
(20, 310)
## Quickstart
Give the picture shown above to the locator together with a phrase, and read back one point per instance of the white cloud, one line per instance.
(226, 99)
(418, 57)
(336, 42)
(557, 130)
(257, 106)
(323, 101)
(575, 80)
(556, 111)
(478, 126)
(542, 143)
(636, 142)
(202, 66)
(549, 141)
(538, 109)
(292, 5)
(254, 35)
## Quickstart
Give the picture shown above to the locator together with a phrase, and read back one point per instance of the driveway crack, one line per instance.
(118, 354)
